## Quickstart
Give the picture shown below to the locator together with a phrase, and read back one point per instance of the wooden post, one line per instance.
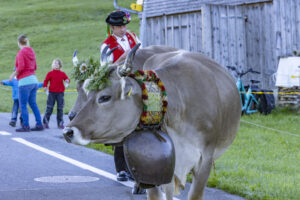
(143, 28)
(206, 30)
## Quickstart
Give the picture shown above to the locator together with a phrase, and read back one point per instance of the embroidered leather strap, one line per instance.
(133, 36)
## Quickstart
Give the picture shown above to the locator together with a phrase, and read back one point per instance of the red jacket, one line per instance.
(56, 78)
(25, 62)
(113, 43)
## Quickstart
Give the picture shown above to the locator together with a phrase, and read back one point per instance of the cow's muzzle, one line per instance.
(68, 134)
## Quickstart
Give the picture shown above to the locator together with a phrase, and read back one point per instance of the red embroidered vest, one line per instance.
(113, 43)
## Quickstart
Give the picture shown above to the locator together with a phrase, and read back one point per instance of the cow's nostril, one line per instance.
(68, 134)
(72, 115)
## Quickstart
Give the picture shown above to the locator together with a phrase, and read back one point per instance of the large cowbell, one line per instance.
(150, 157)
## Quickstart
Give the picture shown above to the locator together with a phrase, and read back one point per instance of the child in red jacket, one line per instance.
(57, 79)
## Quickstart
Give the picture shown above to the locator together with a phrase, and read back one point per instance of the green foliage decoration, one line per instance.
(99, 79)
(84, 69)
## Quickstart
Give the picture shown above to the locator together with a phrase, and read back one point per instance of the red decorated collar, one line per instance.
(154, 98)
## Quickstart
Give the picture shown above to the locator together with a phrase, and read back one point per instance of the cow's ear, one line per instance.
(129, 87)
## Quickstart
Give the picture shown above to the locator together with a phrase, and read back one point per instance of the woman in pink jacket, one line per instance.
(25, 72)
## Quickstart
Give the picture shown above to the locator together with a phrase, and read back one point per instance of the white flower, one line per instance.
(83, 68)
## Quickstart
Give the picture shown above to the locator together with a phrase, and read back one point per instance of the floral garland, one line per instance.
(151, 117)
(84, 69)
(99, 79)
(126, 18)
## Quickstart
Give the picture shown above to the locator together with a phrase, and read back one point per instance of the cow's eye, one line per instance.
(104, 99)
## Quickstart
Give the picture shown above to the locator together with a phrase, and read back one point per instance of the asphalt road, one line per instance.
(42, 166)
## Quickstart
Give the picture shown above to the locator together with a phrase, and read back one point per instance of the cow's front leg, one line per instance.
(200, 175)
(169, 189)
(154, 194)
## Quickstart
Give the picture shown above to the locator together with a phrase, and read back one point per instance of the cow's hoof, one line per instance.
(138, 190)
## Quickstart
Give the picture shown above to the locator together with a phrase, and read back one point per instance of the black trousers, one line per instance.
(52, 98)
(119, 158)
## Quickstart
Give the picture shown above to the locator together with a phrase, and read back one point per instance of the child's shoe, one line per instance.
(46, 125)
(12, 124)
(37, 128)
(23, 129)
(61, 127)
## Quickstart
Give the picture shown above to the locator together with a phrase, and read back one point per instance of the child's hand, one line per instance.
(1, 83)
(45, 89)
(11, 77)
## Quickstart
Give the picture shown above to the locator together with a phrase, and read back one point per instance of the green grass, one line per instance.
(55, 29)
(101, 147)
(261, 164)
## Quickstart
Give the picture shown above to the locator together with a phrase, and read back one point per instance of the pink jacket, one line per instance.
(25, 62)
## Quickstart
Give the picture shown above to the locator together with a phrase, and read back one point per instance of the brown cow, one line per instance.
(202, 119)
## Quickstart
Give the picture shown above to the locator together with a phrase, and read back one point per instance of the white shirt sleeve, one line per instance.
(110, 58)
(138, 41)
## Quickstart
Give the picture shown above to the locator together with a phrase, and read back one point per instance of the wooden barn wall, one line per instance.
(242, 36)
(287, 27)
(260, 46)
(255, 36)
(272, 31)
(180, 31)
(168, 7)
(228, 37)
(247, 36)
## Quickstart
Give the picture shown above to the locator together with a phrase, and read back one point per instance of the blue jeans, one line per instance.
(59, 98)
(27, 94)
(15, 109)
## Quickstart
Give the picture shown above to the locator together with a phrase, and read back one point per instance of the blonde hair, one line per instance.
(23, 40)
(59, 62)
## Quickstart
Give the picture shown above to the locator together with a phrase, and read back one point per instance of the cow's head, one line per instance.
(112, 109)
(82, 71)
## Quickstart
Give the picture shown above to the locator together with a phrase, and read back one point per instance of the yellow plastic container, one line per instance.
(138, 6)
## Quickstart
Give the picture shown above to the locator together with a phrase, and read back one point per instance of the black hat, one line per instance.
(118, 18)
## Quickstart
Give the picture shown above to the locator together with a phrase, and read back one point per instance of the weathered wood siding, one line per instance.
(232, 32)
(228, 35)
(272, 31)
(181, 31)
(259, 43)
(287, 26)
(168, 7)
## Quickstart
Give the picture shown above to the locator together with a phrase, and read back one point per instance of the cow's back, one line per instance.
(200, 93)
(143, 54)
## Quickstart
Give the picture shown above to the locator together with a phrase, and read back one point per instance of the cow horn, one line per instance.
(110, 51)
(75, 59)
(104, 56)
(127, 67)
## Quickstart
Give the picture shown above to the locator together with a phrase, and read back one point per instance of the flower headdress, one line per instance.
(100, 79)
(127, 18)
(84, 69)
